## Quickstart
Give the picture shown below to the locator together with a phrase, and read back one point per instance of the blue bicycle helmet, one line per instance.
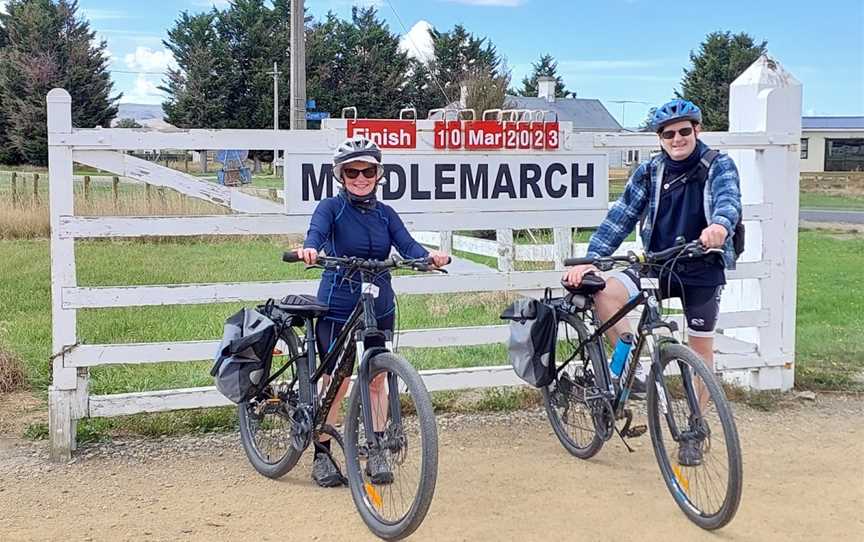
(673, 112)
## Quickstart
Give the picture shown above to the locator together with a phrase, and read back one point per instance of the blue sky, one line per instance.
(611, 50)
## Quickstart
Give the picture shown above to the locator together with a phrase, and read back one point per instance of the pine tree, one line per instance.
(722, 57)
(546, 66)
(49, 46)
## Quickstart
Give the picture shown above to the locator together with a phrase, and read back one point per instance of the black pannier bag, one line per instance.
(531, 346)
(243, 360)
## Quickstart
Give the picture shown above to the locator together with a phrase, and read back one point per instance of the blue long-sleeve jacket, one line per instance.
(339, 228)
(722, 206)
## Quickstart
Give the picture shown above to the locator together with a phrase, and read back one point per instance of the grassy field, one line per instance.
(810, 200)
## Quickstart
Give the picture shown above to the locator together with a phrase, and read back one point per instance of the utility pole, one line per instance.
(275, 73)
(298, 66)
(623, 107)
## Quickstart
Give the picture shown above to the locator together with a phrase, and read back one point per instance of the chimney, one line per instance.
(463, 95)
(546, 88)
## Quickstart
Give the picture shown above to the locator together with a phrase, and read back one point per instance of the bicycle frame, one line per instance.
(650, 320)
(362, 324)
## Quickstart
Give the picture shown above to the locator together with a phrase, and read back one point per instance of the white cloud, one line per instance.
(144, 91)
(496, 3)
(148, 60)
(3, 6)
(105, 14)
(417, 42)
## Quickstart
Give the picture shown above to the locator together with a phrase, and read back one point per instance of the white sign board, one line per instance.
(469, 181)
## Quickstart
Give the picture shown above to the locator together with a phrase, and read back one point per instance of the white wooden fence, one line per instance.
(765, 116)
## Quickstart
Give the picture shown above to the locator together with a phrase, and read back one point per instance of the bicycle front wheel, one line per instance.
(694, 438)
(393, 479)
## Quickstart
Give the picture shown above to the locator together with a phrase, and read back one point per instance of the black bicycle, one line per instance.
(289, 413)
(691, 423)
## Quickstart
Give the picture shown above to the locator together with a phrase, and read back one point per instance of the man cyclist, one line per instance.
(669, 193)
(354, 223)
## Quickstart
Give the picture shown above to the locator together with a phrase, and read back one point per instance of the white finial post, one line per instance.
(767, 98)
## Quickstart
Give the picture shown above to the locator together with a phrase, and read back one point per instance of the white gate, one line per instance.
(758, 309)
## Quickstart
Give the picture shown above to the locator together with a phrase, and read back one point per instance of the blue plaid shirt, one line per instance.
(722, 206)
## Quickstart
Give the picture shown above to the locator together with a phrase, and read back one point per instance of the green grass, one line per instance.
(830, 325)
(830, 340)
(812, 200)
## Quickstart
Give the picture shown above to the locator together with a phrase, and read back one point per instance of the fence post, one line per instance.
(148, 197)
(506, 250)
(563, 244)
(446, 243)
(767, 98)
(162, 201)
(115, 188)
(14, 189)
(87, 188)
(35, 188)
(67, 395)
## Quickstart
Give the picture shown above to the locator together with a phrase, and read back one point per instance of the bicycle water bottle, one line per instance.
(619, 356)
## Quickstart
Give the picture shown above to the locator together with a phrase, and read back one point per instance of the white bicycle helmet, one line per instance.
(356, 149)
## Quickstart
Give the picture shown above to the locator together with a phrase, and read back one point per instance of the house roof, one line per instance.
(584, 113)
(832, 123)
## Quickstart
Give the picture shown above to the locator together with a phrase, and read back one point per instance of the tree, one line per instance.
(486, 91)
(48, 46)
(721, 58)
(357, 63)
(458, 55)
(198, 90)
(127, 123)
(546, 66)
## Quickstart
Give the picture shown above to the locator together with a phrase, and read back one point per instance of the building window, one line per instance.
(804, 148)
(844, 154)
(632, 156)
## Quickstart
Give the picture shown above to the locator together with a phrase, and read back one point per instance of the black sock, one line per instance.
(323, 448)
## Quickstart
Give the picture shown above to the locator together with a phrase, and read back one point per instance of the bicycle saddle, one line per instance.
(302, 305)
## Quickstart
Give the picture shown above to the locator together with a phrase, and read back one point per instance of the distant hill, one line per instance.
(149, 115)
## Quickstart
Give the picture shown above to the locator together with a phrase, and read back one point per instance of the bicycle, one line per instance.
(289, 414)
(584, 402)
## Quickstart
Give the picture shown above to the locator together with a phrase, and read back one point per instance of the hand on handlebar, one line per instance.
(574, 275)
(713, 236)
(308, 255)
(439, 259)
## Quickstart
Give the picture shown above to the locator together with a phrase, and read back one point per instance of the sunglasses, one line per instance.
(369, 172)
(683, 132)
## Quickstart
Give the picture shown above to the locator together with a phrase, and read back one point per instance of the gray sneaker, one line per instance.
(377, 468)
(325, 473)
(690, 453)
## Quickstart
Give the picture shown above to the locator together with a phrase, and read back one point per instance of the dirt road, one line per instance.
(502, 477)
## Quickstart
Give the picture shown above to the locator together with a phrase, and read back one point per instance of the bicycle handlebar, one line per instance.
(693, 249)
(420, 264)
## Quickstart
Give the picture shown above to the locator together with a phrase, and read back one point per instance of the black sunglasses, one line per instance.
(683, 132)
(369, 172)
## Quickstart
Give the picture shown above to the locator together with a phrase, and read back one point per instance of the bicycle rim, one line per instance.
(702, 468)
(393, 505)
(569, 415)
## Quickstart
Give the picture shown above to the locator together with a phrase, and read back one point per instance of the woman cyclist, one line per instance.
(355, 223)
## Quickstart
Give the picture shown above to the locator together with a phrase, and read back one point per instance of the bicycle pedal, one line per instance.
(635, 431)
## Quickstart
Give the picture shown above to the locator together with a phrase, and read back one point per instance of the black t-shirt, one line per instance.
(681, 213)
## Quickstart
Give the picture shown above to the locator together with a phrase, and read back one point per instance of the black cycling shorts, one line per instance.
(327, 331)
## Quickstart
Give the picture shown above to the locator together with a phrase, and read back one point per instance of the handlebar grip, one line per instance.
(570, 262)
(291, 256)
(431, 261)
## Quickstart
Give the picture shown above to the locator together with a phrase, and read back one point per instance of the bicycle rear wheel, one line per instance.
(266, 421)
(699, 453)
(392, 482)
(570, 416)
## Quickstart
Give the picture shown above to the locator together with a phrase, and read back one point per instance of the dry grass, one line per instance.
(26, 215)
(11, 372)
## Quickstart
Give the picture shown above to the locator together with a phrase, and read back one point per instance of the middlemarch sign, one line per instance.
(419, 177)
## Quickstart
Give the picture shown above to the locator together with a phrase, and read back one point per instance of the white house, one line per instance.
(832, 144)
